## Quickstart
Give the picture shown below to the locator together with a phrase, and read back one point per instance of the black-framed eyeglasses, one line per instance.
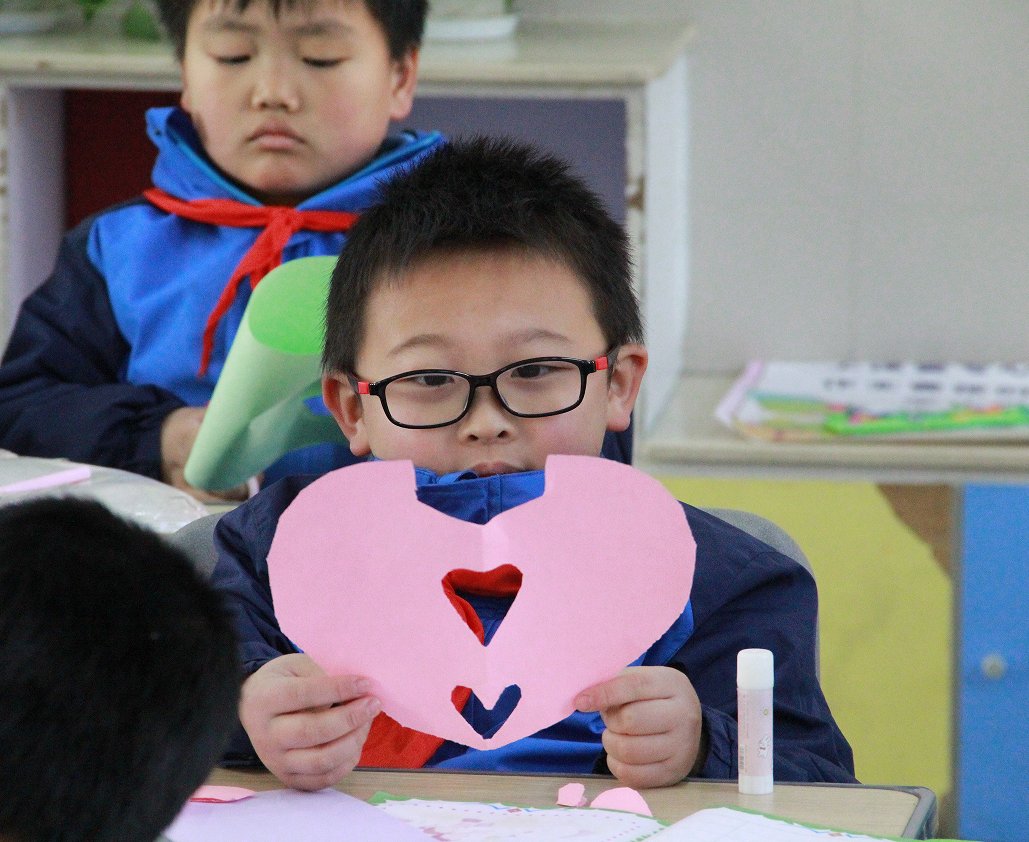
(437, 397)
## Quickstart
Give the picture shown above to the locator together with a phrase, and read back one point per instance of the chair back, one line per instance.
(777, 538)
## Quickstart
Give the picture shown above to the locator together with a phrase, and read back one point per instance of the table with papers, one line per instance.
(873, 810)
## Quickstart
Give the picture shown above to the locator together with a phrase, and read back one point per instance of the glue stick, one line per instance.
(755, 677)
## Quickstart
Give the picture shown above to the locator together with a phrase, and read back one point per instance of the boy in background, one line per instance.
(483, 319)
(281, 142)
(120, 676)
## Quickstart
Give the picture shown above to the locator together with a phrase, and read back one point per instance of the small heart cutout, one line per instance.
(487, 721)
(502, 581)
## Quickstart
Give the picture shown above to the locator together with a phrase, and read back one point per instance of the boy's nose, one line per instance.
(274, 86)
(487, 418)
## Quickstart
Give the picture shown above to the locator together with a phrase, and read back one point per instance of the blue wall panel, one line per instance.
(993, 669)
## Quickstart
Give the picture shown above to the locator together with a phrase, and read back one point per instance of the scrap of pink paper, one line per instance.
(211, 794)
(572, 795)
(79, 473)
(623, 798)
(356, 570)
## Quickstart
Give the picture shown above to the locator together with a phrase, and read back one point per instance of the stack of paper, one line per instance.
(331, 815)
(787, 401)
(458, 821)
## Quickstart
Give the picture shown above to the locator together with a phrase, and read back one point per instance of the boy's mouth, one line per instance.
(275, 137)
(488, 469)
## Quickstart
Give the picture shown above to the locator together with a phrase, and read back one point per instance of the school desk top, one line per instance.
(883, 811)
(689, 434)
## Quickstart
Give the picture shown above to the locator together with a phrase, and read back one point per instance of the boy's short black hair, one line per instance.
(119, 670)
(402, 21)
(482, 194)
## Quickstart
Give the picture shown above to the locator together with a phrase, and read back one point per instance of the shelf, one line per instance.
(554, 53)
(687, 438)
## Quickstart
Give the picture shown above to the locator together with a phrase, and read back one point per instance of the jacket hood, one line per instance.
(184, 169)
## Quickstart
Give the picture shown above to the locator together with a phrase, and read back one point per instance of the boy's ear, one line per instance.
(403, 83)
(624, 385)
(345, 405)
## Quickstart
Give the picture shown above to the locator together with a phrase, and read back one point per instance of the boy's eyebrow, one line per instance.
(435, 340)
(225, 23)
(321, 27)
(307, 29)
(421, 340)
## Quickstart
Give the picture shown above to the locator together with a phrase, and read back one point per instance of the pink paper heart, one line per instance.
(606, 557)
(622, 798)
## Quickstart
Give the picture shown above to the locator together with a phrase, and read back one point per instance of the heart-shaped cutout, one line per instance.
(604, 540)
(503, 581)
(487, 719)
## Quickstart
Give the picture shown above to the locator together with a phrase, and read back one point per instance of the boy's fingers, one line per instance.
(315, 728)
(628, 686)
(315, 691)
(324, 765)
(637, 750)
(642, 776)
(649, 716)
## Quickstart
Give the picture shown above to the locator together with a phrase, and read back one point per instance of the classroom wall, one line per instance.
(858, 176)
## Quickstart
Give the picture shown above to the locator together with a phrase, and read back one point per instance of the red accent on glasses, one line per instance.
(600, 363)
(362, 387)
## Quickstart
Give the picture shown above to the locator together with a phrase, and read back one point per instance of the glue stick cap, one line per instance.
(755, 669)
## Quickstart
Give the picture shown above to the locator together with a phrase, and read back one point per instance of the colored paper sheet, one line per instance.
(280, 814)
(261, 408)
(909, 401)
(460, 821)
(357, 565)
(726, 824)
(68, 476)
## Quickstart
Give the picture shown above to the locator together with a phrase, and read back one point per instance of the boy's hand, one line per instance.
(653, 724)
(178, 434)
(307, 727)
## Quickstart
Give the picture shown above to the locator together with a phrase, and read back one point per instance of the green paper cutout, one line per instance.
(257, 411)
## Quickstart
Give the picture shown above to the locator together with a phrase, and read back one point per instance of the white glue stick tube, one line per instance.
(755, 677)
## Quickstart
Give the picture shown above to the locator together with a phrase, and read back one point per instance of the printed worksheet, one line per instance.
(460, 821)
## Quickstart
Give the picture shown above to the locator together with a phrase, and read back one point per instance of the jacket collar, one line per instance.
(184, 170)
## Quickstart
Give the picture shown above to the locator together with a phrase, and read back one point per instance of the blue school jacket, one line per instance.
(110, 344)
(745, 594)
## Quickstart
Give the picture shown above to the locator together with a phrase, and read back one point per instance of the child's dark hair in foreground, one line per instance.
(119, 670)
(401, 20)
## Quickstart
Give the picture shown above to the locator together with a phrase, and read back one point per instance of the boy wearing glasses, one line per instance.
(482, 319)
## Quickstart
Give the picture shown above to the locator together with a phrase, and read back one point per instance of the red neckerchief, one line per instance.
(278, 222)
(391, 745)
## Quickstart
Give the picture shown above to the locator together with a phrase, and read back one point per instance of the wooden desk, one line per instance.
(882, 811)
